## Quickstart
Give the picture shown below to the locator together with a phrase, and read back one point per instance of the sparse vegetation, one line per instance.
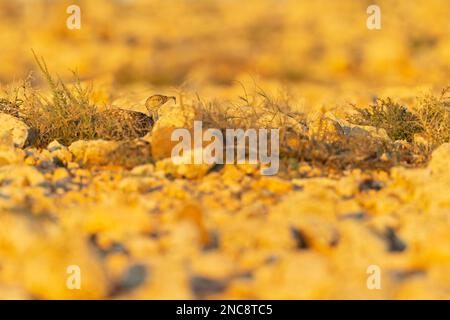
(433, 116)
(68, 115)
(321, 149)
(397, 120)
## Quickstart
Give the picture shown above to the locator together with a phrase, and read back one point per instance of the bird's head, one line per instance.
(156, 101)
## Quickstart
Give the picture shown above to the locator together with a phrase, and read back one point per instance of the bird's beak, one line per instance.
(174, 99)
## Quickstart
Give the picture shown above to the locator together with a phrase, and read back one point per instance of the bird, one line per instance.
(155, 102)
(134, 123)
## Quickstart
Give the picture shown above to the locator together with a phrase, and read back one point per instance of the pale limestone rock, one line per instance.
(177, 117)
(21, 175)
(366, 131)
(60, 152)
(9, 154)
(161, 143)
(94, 152)
(22, 134)
(56, 251)
(358, 131)
(101, 153)
(169, 120)
(440, 159)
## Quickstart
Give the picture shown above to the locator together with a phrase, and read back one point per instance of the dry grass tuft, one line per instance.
(253, 110)
(67, 115)
(433, 116)
(397, 120)
(363, 153)
(337, 153)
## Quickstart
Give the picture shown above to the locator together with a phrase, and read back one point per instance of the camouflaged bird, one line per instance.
(137, 123)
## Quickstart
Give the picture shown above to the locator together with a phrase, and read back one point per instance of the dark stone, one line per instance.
(203, 286)
(244, 275)
(353, 216)
(58, 162)
(335, 239)
(299, 238)
(213, 242)
(113, 248)
(271, 260)
(402, 275)
(154, 189)
(134, 277)
(370, 184)
(395, 244)
(155, 235)
(216, 168)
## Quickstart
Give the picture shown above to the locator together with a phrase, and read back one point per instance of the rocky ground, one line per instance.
(364, 138)
(139, 226)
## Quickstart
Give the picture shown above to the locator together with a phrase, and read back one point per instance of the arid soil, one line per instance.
(363, 181)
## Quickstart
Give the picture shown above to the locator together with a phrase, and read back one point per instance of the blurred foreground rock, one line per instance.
(21, 175)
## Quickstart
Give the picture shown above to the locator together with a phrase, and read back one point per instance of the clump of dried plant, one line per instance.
(433, 115)
(67, 115)
(397, 120)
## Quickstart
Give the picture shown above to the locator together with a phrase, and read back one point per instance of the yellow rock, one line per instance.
(9, 154)
(102, 153)
(21, 175)
(440, 159)
(60, 152)
(273, 184)
(93, 152)
(60, 175)
(298, 276)
(46, 275)
(21, 134)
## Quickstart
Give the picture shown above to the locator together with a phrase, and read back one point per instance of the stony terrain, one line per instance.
(363, 179)
(145, 228)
